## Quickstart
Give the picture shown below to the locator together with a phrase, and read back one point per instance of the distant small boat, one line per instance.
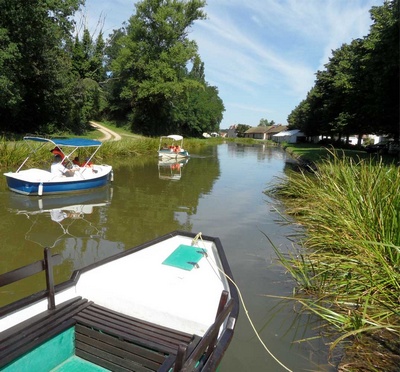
(171, 147)
(166, 305)
(40, 182)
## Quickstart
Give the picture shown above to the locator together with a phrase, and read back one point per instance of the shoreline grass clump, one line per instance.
(349, 268)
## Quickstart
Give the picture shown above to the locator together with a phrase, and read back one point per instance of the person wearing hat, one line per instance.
(58, 168)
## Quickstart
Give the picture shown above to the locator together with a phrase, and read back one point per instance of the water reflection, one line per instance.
(28, 205)
(72, 225)
(171, 169)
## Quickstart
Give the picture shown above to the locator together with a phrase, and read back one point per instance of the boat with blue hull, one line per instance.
(86, 175)
(167, 305)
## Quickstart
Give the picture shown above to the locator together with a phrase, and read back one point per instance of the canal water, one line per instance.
(219, 191)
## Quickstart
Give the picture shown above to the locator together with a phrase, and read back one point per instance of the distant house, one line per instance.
(256, 133)
(264, 133)
(232, 132)
(274, 129)
(289, 136)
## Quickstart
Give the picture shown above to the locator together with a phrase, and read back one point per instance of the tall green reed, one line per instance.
(350, 210)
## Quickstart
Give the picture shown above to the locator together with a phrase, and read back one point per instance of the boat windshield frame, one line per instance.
(172, 137)
(70, 143)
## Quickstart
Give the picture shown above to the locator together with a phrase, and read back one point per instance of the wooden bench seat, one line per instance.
(119, 342)
(107, 338)
(31, 333)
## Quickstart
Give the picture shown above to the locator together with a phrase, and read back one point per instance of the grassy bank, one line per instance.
(13, 153)
(315, 153)
(13, 150)
(348, 271)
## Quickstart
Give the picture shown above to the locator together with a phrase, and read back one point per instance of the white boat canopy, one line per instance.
(175, 137)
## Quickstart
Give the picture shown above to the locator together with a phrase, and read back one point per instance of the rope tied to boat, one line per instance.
(195, 240)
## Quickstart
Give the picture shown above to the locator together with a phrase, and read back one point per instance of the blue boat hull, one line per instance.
(49, 188)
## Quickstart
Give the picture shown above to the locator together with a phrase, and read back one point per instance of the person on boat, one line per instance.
(87, 163)
(57, 151)
(59, 169)
(76, 161)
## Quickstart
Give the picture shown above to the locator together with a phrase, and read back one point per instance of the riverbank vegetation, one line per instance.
(56, 75)
(348, 267)
(13, 153)
(312, 154)
(357, 92)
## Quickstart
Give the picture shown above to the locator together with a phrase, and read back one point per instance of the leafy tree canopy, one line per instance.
(358, 92)
(151, 83)
(35, 78)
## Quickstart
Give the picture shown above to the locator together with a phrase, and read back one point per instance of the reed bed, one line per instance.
(348, 269)
(13, 153)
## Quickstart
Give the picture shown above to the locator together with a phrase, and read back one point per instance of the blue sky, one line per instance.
(262, 55)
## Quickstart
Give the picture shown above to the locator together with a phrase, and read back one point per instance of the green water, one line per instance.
(219, 193)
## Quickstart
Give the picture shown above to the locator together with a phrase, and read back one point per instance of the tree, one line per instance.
(88, 66)
(118, 108)
(200, 109)
(358, 92)
(151, 69)
(36, 83)
(382, 66)
(241, 129)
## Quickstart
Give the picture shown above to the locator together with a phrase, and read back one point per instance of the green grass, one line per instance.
(348, 267)
(13, 153)
(317, 153)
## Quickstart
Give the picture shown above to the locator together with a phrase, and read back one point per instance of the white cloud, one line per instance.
(262, 54)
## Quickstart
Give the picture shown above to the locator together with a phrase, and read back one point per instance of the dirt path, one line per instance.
(109, 135)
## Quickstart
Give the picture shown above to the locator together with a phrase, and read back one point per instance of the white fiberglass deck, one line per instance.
(141, 286)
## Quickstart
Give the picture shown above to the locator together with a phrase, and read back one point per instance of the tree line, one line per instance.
(148, 74)
(358, 91)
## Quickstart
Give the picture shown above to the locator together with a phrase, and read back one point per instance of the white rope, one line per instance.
(195, 241)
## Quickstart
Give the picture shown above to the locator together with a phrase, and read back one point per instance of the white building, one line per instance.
(289, 136)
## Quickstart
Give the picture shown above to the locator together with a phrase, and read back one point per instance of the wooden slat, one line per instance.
(213, 341)
(134, 330)
(126, 334)
(12, 353)
(49, 262)
(85, 334)
(103, 333)
(207, 340)
(26, 271)
(38, 320)
(100, 361)
(142, 324)
(113, 350)
(29, 334)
